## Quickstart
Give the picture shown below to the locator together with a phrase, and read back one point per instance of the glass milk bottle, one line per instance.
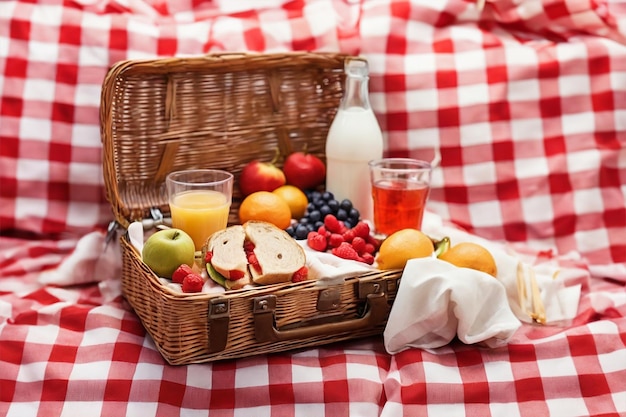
(354, 139)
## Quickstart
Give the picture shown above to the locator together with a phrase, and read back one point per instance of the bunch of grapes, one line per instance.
(321, 204)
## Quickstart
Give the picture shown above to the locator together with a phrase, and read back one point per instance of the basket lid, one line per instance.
(216, 111)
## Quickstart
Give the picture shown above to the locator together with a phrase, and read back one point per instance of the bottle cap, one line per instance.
(356, 67)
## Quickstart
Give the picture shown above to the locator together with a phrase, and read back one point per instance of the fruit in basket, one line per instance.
(399, 247)
(320, 205)
(265, 206)
(260, 176)
(471, 255)
(295, 198)
(254, 253)
(192, 283)
(304, 170)
(166, 250)
(354, 244)
(181, 272)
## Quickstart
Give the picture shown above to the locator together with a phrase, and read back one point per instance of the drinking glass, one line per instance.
(200, 201)
(400, 188)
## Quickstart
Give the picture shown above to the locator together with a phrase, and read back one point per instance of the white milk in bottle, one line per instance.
(354, 138)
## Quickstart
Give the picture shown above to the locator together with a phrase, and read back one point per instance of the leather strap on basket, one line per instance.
(376, 313)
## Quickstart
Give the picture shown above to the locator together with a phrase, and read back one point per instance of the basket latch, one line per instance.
(218, 318)
(328, 298)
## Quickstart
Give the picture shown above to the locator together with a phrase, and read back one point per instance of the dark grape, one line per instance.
(320, 205)
(354, 214)
(334, 205)
(315, 216)
(301, 231)
(324, 210)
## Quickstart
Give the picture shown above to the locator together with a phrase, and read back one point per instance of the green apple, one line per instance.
(166, 250)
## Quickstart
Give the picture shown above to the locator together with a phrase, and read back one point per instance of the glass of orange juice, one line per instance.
(200, 201)
(400, 188)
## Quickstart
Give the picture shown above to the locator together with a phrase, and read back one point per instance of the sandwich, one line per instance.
(255, 253)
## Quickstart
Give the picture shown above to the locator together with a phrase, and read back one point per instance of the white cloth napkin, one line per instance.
(437, 301)
(559, 286)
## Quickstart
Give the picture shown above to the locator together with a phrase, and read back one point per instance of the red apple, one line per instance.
(260, 176)
(304, 170)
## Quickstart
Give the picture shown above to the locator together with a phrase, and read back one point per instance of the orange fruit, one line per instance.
(265, 206)
(471, 255)
(401, 246)
(295, 198)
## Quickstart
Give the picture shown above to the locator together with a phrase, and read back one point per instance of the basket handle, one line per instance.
(265, 331)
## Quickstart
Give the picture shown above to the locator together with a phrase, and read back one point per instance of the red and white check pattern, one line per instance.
(66, 351)
(524, 101)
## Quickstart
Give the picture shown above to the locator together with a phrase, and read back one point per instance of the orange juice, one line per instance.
(398, 204)
(200, 213)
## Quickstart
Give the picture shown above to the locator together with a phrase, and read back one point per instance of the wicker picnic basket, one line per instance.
(222, 111)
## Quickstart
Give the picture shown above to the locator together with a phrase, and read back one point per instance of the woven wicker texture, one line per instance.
(222, 111)
(216, 111)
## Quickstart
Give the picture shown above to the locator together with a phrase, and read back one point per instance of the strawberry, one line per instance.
(345, 251)
(208, 256)
(235, 274)
(332, 224)
(316, 241)
(335, 240)
(181, 272)
(252, 260)
(248, 246)
(300, 275)
(192, 283)
(359, 244)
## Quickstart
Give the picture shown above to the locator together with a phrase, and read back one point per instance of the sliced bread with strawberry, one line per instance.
(277, 254)
(256, 252)
(227, 263)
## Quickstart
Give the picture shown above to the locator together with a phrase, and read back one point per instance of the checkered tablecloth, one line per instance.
(71, 351)
(524, 100)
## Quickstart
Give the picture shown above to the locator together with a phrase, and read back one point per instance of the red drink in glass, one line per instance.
(398, 204)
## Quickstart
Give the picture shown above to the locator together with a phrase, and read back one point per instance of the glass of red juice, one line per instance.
(400, 188)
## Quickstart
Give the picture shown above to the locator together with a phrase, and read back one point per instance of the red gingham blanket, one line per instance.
(525, 102)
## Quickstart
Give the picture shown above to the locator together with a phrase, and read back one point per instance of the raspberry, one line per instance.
(348, 235)
(332, 224)
(373, 241)
(345, 251)
(369, 248)
(335, 240)
(361, 229)
(181, 272)
(193, 283)
(358, 243)
(368, 258)
(316, 241)
(300, 275)
(322, 231)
